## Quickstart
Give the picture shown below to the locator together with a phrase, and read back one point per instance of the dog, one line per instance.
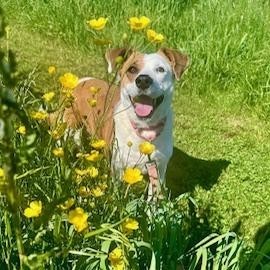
(138, 110)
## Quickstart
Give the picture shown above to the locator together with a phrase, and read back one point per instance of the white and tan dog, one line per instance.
(139, 110)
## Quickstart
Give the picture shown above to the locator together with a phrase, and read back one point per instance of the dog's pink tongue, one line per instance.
(143, 110)
(143, 106)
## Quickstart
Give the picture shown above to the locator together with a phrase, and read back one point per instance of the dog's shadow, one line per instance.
(185, 172)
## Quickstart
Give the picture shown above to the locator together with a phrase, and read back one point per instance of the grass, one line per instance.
(221, 106)
(227, 40)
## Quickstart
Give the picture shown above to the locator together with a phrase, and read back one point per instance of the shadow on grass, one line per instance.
(259, 258)
(185, 172)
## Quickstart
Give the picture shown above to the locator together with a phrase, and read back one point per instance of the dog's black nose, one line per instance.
(143, 81)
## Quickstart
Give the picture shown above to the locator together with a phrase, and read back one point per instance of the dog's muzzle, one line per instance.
(144, 106)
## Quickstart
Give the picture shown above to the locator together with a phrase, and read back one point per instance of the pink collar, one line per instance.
(149, 133)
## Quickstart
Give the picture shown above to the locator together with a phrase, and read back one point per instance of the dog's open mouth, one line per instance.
(145, 106)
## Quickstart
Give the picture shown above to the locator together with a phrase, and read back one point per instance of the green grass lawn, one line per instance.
(220, 106)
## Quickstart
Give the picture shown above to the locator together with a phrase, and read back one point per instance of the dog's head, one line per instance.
(146, 80)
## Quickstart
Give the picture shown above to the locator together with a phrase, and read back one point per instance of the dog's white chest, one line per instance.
(126, 146)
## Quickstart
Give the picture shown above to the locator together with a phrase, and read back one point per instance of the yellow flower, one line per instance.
(138, 23)
(94, 90)
(93, 172)
(3, 184)
(116, 258)
(132, 175)
(67, 204)
(21, 130)
(84, 191)
(98, 144)
(68, 93)
(51, 70)
(69, 81)
(34, 209)
(147, 148)
(154, 36)
(98, 24)
(103, 186)
(97, 192)
(94, 156)
(59, 131)
(2, 173)
(92, 102)
(58, 152)
(78, 218)
(39, 115)
(81, 172)
(130, 225)
(48, 96)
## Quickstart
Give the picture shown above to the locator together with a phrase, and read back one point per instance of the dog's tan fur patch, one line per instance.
(135, 61)
(97, 120)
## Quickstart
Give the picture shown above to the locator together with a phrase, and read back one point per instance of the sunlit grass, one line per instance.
(227, 40)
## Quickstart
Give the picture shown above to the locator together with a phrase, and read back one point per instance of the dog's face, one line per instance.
(147, 82)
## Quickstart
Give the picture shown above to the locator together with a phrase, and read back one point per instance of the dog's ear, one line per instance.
(116, 56)
(178, 60)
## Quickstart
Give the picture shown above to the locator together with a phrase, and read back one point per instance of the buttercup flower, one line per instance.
(94, 90)
(48, 96)
(132, 175)
(98, 24)
(147, 148)
(130, 225)
(69, 80)
(81, 172)
(68, 93)
(99, 144)
(136, 23)
(59, 131)
(94, 156)
(84, 191)
(92, 102)
(103, 186)
(39, 115)
(97, 192)
(58, 152)
(21, 130)
(2, 173)
(2, 180)
(116, 258)
(51, 70)
(78, 218)
(93, 172)
(34, 209)
(67, 204)
(154, 36)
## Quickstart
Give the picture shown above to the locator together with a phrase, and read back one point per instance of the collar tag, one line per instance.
(154, 184)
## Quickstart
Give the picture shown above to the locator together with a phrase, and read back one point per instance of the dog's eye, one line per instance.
(133, 70)
(160, 69)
